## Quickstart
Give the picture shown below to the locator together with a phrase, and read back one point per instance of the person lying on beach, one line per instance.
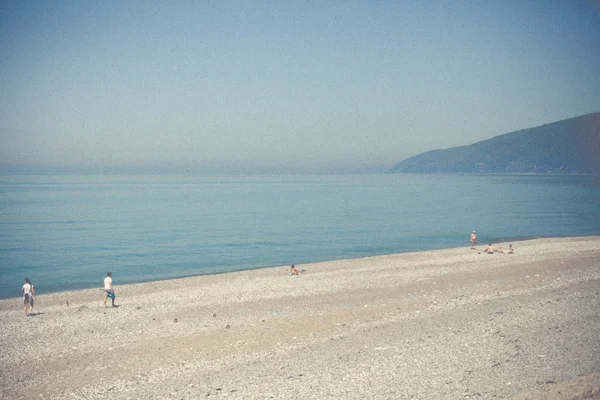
(294, 271)
(28, 296)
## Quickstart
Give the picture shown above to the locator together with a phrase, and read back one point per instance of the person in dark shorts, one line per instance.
(109, 291)
(28, 296)
(473, 240)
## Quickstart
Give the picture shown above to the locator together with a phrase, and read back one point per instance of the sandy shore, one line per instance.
(446, 324)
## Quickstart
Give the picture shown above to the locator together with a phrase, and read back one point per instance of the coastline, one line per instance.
(503, 241)
(446, 323)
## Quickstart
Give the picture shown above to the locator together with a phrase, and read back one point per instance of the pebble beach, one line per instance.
(444, 324)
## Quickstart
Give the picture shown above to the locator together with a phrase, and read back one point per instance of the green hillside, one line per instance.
(569, 146)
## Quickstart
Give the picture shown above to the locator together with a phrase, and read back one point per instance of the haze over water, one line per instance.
(66, 231)
(273, 87)
(284, 87)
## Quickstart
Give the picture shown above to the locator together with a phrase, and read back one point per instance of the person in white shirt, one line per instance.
(28, 296)
(108, 289)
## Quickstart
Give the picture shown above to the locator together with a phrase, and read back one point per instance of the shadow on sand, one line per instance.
(35, 314)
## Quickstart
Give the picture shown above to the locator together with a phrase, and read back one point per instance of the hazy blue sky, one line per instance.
(284, 85)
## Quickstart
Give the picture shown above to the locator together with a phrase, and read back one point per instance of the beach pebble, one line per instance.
(487, 326)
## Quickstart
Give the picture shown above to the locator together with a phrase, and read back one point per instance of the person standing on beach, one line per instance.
(473, 240)
(28, 296)
(108, 289)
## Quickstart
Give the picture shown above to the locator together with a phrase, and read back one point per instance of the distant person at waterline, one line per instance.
(108, 289)
(294, 271)
(28, 296)
(473, 240)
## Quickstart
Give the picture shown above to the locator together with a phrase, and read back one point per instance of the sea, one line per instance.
(65, 232)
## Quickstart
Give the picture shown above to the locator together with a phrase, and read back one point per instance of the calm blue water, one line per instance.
(65, 232)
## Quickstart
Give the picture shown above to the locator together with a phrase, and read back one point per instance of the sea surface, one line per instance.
(66, 231)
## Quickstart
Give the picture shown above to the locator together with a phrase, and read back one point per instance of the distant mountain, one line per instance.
(570, 146)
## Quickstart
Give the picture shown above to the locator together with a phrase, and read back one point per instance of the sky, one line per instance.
(283, 86)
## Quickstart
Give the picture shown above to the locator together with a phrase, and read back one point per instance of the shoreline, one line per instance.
(447, 323)
(500, 241)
